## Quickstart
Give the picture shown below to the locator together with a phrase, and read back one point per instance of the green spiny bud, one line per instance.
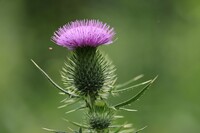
(98, 122)
(101, 116)
(88, 72)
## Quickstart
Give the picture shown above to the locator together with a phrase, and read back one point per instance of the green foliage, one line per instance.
(86, 68)
(136, 97)
(100, 116)
(52, 82)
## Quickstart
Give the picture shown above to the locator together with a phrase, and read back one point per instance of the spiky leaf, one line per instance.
(136, 97)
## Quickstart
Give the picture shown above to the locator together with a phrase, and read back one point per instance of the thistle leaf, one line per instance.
(128, 125)
(131, 87)
(129, 110)
(69, 102)
(116, 126)
(77, 124)
(75, 110)
(140, 129)
(118, 129)
(51, 81)
(136, 97)
(129, 82)
(128, 131)
(118, 117)
(54, 131)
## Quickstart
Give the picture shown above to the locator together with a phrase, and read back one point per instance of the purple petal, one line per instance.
(83, 33)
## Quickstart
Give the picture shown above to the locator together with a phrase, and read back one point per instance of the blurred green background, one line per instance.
(154, 37)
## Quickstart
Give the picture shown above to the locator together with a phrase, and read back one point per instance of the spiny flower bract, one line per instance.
(88, 72)
(100, 116)
(83, 33)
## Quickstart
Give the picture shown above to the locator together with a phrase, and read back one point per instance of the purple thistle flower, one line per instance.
(83, 33)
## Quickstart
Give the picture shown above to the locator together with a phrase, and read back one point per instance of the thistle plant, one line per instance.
(89, 78)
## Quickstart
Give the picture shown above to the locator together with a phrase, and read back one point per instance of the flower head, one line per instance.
(83, 33)
(87, 72)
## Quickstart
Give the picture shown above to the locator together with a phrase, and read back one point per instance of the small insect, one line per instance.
(50, 48)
